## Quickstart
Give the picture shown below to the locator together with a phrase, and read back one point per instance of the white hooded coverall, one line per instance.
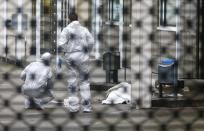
(76, 43)
(37, 85)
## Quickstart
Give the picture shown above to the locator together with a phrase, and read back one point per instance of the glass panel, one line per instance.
(171, 13)
(116, 10)
(161, 12)
(46, 26)
(113, 10)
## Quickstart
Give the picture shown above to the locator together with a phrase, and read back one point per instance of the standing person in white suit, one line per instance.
(37, 77)
(76, 43)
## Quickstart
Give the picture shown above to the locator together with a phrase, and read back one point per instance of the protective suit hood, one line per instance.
(73, 23)
(46, 58)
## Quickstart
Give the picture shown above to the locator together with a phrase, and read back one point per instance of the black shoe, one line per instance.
(34, 106)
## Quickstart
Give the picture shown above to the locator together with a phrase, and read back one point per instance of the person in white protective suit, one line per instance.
(76, 43)
(119, 94)
(37, 85)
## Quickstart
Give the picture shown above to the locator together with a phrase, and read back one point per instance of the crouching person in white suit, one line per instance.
(37, 85)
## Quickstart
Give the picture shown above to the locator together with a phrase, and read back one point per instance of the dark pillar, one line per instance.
(201, 43)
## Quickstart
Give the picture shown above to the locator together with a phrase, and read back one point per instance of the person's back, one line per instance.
(37, 85)
(37, 75)
(78, 38)
(76, 43)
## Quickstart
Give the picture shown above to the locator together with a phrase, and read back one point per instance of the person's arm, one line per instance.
(61, 48)
(62, 40)
(49, 80)
(23, 73)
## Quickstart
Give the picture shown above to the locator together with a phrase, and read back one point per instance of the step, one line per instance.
(172, 102)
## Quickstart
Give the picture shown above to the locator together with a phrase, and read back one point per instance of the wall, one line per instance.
(15, 51)
(165, 41)
(141, 45)
(109, 37)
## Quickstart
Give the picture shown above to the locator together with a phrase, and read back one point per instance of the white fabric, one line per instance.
(73, 40)
(36, 76)
(72, 103)
(46, 56)
(74, 37)
(119, 94)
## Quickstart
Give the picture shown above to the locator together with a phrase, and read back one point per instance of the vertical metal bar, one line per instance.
(112, 11)
(20, 6)
(19, 30)
(93, 17)
(59, 28)
(68, 7)
(121, 33)
(38, 21)
(198, 40)
(125, 70)
(164, 12)
(25, 40)
(62, 12)
(98, 19)
(109, 10)
(96, 25)
(5, 28)
(202, 44)
(6, 47)
(177, 30)
(16, 44)
(66, 11)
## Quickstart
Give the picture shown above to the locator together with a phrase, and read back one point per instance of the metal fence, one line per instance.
(143, 32)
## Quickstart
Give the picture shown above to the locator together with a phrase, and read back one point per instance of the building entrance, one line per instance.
(111, 30)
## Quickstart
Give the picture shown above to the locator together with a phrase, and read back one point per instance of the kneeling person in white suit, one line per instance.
(37, 85)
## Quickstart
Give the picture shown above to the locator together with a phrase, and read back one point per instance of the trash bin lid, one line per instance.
(167, 61)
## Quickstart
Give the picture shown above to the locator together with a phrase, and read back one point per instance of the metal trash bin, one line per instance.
(167, 74)
(111, 64)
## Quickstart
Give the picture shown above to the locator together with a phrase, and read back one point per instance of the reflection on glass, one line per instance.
(46, 25)
(171, 12)
(168, 12)
(116, 10)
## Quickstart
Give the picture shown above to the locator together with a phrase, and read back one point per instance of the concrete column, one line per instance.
(19, 43)
(141, 53)
(38, 20)
(96, 22)
(4, 26)
(121, 33)
(59, 28)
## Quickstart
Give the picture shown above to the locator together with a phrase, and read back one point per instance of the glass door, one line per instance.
(109, 26)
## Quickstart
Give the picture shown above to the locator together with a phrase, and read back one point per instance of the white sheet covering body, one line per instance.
(119, 94)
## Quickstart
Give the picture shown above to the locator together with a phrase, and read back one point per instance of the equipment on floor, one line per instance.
(168, 75)
(111, 64)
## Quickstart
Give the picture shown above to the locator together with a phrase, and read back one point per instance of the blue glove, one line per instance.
(59, 65)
